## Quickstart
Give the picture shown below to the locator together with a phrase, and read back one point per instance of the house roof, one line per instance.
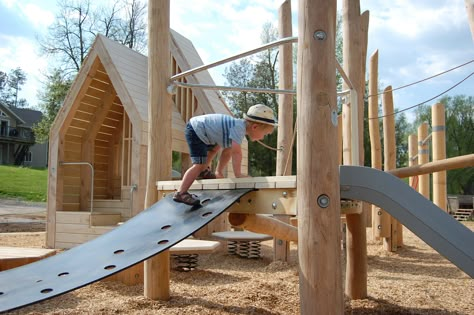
(29, 116)
(8, 111)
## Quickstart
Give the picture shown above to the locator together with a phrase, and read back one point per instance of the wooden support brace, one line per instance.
(258, 223)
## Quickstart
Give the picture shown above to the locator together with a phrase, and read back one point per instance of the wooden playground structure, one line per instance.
(317, 201)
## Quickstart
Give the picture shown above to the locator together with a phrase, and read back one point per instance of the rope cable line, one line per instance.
(425, 79)
(419, 104)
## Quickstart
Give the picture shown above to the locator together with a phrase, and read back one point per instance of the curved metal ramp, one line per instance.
(434, 226)
(145, 235)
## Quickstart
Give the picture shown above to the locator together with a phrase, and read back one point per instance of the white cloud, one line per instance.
(40, 17)
(19, 52)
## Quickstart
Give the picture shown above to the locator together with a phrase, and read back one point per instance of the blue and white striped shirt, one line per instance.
(219, 129)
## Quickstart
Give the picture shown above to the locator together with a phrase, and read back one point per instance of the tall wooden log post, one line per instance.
(285, 117)
(355, 27)
(423, 158)
(390, 157)
(413, 159)
(380, 218)
(470, 15)
(157, 268)
(438, 132)
(319, 236)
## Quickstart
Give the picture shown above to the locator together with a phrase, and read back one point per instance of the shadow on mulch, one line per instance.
(373, 306)
(409, 260)
(183, 301)
(59, 304)
(205, 277)
(8, 227)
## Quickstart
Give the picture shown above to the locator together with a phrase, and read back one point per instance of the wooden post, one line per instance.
(157, 268)
(390, 157)
(355, 28)
(285, 118)
(470, 15)
(438, 132)
(380, 218)
(423, 158)
(413, 159)
(319, 236)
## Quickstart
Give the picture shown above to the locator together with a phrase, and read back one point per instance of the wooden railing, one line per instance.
(17, 135)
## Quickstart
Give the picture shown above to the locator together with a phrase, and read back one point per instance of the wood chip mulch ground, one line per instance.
(414, 280)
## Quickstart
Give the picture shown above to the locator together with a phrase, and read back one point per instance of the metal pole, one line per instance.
(232, 58)
(237, 88)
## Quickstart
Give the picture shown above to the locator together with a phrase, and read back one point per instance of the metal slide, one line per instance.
(433, 225)
(145, 235)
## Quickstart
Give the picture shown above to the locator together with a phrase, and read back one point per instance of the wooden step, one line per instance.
(12, 257)
(105, 219)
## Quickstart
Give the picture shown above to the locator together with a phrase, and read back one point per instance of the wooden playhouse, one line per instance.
(98, 142)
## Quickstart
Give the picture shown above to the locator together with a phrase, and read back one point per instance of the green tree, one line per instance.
(78, 22)
(459, 140)
(70, 38)
(259, 71)
(51, 100)
(10, 86)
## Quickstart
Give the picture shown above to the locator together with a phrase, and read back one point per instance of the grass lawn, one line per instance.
(24, 183)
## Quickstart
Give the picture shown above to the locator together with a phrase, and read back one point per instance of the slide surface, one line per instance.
(152, 231)
(433, 225)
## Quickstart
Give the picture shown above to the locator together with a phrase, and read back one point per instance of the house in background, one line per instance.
(17, 141)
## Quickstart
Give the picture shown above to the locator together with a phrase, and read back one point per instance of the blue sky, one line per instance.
(415, 39)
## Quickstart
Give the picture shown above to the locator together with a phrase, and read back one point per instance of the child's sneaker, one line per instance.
(186, 198)
(206, 174)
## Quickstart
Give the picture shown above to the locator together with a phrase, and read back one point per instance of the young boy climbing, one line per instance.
(207, 134)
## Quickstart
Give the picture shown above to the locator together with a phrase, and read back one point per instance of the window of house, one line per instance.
(28, 156)
(3, 114)
(3, 127)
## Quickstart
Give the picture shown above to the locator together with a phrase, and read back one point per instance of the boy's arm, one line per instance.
(234, 152)
(237, 159)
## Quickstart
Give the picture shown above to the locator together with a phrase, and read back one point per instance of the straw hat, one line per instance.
(261, 114)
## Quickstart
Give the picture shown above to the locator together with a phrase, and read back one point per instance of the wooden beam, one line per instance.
(438, 131)
(390, 159)
(319, 236)
(463, 161)
(470, 15)
(157, 268)
(259, 223)
(423, 158)
(281, 248)
(355, 28)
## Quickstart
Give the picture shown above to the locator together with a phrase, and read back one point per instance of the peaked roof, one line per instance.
(25, 116)
(7, 110)
(29, 116)
(132, 68)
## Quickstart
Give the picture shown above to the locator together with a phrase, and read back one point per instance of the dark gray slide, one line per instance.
(145, 235)
(433, 225)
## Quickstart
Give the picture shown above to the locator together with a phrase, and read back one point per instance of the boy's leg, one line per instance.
(190, 176)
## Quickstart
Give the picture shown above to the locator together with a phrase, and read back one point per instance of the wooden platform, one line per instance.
(273, 195)
(12, 257)
(193, 246)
